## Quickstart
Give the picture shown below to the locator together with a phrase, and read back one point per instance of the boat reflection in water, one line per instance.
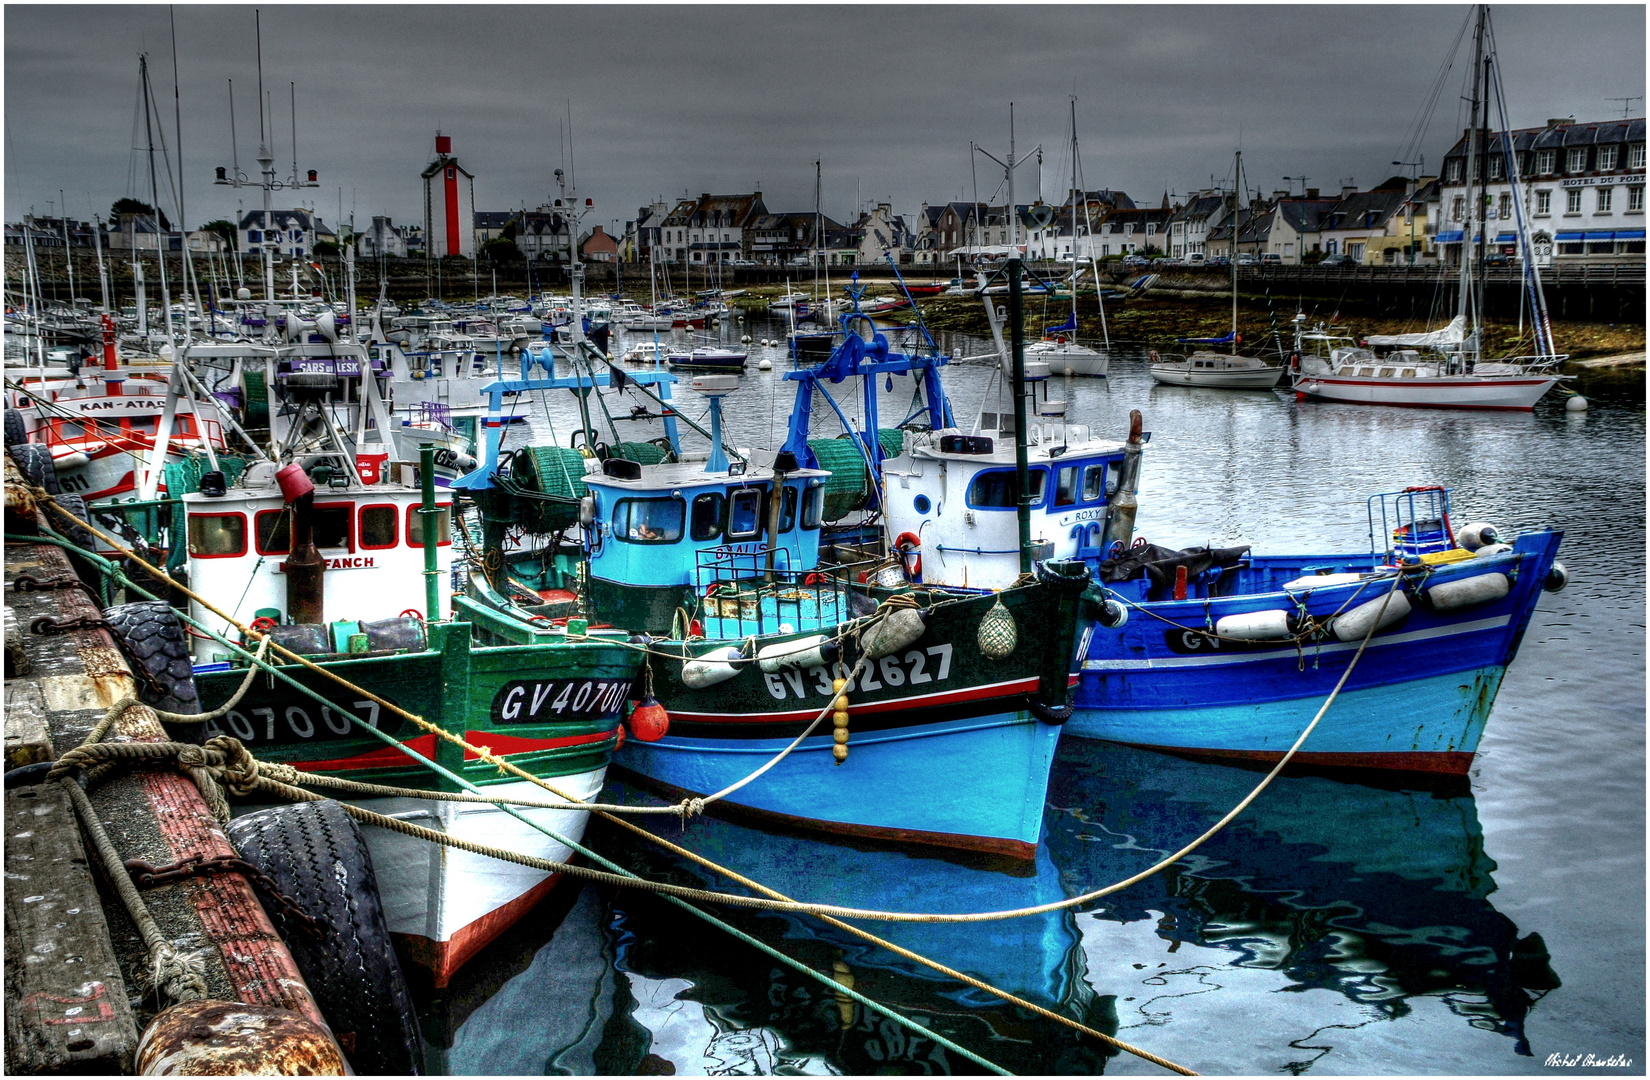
(1366, 904)
(1380, 895)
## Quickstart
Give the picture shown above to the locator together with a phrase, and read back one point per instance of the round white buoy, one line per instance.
(1576, 404)
(1069, 371)
(764, 364)
(745, 339)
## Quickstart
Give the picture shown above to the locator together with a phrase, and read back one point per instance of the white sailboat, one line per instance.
(1215, 370)
(1445, 369)
(1060, 348)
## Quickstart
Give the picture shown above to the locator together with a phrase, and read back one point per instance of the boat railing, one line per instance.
(433, 413)
(763, 595)
(1536, 363)
(1413, 522)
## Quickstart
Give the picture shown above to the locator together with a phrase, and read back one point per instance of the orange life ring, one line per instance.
(909, 545)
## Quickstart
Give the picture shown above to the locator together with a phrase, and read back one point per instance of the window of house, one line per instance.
(1606, 158)
(706, 519)
(217, 536)
(1605, 198)
(1635, 200)
(379, 526)
(1577, 159)
(1544, 161)
(1635, 156)
(1496, 166)
(1454, 172)
(1543, 203)
(1572, 201)
(649, 521)
(1506, 205)
(1458, 208)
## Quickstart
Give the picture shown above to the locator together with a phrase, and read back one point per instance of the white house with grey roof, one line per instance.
(1582, 186)
(287, 233)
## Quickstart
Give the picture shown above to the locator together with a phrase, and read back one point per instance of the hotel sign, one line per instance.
(1595, 181)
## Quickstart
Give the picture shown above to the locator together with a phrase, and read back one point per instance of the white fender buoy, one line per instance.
(1113, 615)
(1577, 403)
(1467, 592)
(1557, 577)
(1070, 371)
(764, 364)
(1476, 535)
(803, 652)
(1492, 549)
(894, 632)
(1270, 625)
(718, 665)
(1353, 626)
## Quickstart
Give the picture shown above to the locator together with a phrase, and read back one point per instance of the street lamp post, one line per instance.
(1414, 185)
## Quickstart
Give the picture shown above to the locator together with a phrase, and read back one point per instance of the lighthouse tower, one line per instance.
(447, 188)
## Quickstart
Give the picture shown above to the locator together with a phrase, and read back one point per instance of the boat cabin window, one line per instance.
(415, 527)
(813, 504)
(706, 520)
(274, 537)
(217, 536)
(67, 429)
(380, 526)
(1386, 372)
(1409, 373)
(747, 512)
(331, 529)
(1065, 486)
(1366, 371)
(1094, 482)
(787, 510)
(995, 489)
(649, 521)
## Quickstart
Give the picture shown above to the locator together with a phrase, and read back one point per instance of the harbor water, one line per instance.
(1334, 927)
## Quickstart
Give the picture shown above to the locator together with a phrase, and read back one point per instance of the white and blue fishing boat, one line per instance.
(935, 712)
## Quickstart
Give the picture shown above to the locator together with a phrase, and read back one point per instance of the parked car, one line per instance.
(1135, 262)
(1338, 260)
(1197, 258)
(1247, 259)
(1271, 258)
(1221, 260)
(742, 262)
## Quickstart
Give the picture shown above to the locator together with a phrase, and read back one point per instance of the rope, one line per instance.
(823, 911)
(179, 975)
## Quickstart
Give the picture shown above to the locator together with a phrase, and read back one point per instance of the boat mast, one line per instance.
(1231, 240)
(1469, 300)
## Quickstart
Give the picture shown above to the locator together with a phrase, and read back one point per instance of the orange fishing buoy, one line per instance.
(649, 721)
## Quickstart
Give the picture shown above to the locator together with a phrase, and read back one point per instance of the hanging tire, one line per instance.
(14, 428)
(34, 461)
(317, 858)
(78, 535)
(151, 635)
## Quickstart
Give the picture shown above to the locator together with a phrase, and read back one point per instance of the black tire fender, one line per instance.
(78, 535)
(1051, 714)
(14, 428)
(151, 635)
(316, 856)
(34, 461)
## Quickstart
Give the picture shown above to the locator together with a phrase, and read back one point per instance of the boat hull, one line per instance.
(1417, 700)
(1259, 379)
(973, 784)
(1447, 392)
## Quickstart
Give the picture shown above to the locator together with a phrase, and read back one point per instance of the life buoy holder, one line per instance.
(1154, 356)
(1295, 362)
(909, 546)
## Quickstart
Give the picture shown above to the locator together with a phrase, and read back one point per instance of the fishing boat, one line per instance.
(720, 563)
(331, 567)
(1224, 654)
(707, 358)
(1445, 368)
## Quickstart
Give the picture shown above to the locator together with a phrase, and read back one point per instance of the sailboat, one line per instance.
(1220, 370)
(1059, 347)
(1445, 368)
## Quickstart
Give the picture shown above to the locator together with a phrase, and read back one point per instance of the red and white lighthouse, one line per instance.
(445, 228)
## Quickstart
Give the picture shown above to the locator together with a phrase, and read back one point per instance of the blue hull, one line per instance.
(1417, 700)
(976, 784)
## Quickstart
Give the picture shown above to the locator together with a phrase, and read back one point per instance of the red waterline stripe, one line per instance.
(515, 744)
(424, 745)
(1007, 689)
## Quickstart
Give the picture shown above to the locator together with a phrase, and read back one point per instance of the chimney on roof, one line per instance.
(1311, 193)
(1279, 196)
(1562, 121)
(1348, 190)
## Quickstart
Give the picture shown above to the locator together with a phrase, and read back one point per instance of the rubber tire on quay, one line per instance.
(315, 854)
(34, 461)
(151, 635)
(14, 428)
(78, 535)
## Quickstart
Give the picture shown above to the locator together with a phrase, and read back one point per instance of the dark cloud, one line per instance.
(723, 98)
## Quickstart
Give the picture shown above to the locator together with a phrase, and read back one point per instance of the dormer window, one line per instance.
(1606, 158)
(1577, 161)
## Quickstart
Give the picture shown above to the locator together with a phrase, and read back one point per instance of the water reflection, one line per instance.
(1379, 895)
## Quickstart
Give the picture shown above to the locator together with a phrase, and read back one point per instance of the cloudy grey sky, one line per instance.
(667, 100)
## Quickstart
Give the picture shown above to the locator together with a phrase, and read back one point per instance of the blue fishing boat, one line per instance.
(918, 714)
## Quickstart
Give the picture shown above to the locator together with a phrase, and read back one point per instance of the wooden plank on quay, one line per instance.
(68, 1009)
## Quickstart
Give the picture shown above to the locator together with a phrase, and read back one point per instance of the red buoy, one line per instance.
(649, 721)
